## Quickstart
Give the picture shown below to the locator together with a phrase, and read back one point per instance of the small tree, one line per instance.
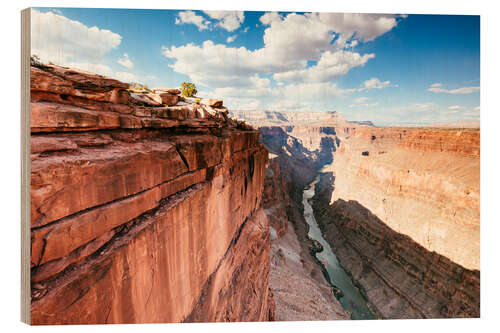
(188, 89)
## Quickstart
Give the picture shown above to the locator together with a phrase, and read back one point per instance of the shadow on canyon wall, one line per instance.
(399, 277)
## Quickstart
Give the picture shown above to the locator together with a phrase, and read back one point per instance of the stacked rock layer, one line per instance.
(142, 213)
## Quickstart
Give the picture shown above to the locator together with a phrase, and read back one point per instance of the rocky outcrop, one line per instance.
(399, 277)
(141, 213)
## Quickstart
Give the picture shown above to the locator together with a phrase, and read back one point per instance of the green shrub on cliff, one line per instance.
(188, 89)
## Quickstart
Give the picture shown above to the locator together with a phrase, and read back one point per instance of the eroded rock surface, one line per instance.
(400, 278)
(142, 214)
(400, 207)
(423, 183)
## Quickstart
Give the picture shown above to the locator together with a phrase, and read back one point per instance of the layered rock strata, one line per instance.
(399, 277)
(400, 207)
(423, 183)
(142, 214)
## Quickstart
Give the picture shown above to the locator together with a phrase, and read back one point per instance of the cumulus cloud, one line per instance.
(329, 66)
(106, 71)
(270, 17)
(364, 105)
(458, 91)
(361, 99)
(58, 39)
(229, 20)
(127, 77)
(455, 107)
(219, 65)
(290, 42)
(231, 39)
(190, 17)
(91, 67)
(125, 61)
(375, 83)
(366, 27)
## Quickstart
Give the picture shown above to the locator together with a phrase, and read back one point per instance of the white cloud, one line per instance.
(375, 83)
(229, 20)
(422, 106)
(106, 71)
(365, 27)
(455, 107)
(91, 67)
(290, 41)
(221, 66)
(231, 39)
(361, 99)
(364, 105)
(435, 85)
(127, 77)
(58, 39)
(329, 66)
(270, 17)
(458, 91)
(189, 16)
(126, 62)
(477, 108)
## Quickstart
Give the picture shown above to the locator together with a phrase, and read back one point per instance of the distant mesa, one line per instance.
(362, 122)
(261, 118)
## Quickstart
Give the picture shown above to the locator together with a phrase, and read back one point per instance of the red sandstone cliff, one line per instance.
(400, 207)
(142, 213)
(423, 183)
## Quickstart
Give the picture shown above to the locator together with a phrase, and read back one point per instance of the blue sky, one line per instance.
(390, 69)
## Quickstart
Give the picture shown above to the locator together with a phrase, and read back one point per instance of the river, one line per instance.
(352, 299)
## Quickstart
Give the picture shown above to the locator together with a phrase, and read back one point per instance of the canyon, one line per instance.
(398, 206)
(151, 207)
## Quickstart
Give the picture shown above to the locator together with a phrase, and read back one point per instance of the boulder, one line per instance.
(169, 99)
(171, 91)
(215, 103)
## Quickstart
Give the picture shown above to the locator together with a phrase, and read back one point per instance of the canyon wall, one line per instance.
(423, 183)
(142, 213)
(400, 207)
(399, 277)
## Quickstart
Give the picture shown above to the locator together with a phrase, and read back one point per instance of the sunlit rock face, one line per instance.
(423, 183)
(143, 213)
(400, 207)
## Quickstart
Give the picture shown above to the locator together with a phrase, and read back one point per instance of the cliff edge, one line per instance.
(143, 208)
